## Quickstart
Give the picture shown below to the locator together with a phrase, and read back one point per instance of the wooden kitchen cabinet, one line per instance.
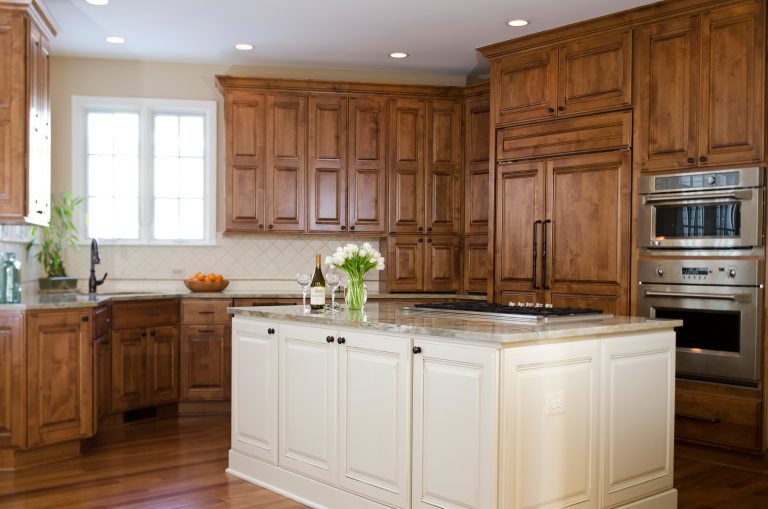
(13, 369)
(425, 166)
(327, 172)
(25, 114)
(428, 263)
(102, 364)
(476, 263)
(205, 350)
(145, 354)
(59, 376)
(583, 75)
(477, 128)
(562, 237)
(701, 89)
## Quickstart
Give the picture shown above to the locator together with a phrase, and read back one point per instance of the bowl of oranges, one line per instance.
(206, 282)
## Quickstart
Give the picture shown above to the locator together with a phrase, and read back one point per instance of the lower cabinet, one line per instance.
(102, 378)
(205, 350)
(12, 380)
(59, 376)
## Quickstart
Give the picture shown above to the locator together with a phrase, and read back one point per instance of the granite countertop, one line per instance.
(494, 332)
(78, 300)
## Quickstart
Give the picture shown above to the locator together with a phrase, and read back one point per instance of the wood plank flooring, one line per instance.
(179, 463)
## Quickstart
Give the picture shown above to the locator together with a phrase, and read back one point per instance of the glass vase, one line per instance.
(357, 293)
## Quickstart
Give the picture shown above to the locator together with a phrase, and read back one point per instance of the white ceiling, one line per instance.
(440, 35)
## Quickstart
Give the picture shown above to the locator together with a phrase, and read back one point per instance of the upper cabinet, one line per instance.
(25, 113)
(701, 89)
(584, 75)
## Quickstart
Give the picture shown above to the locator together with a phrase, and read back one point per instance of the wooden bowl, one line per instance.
(206, 286)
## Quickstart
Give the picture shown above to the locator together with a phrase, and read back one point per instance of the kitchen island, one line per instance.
(406, 408)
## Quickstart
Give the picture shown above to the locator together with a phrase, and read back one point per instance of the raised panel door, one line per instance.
(129, 369)
(59, 376)
(102, 378)
(666, 119)
(254, 388)
(327, 172)
(455, 427)
(406, 165)
(205, 362)
(39, 128)
(286, 163)
(308, 402)
(732, 128)
(405, 263)
(476, 263)
(595, 73)
(12, 381)
(163, 365)
(367, 165)
(526, 86)
(588, 233)
(444, 167)
(13, 120)
(375, 417)
(476, 171)
(245, 120)
(442, 264)
(520, 191)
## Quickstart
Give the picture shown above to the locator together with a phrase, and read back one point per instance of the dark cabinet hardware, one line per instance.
(417, 350)
(85, 318)
(699, 418)
(153, 334)
(261, 227)
(329, 339)
(270, 331)
(561, 108)
(421, 240)
(429, 240)
(703, 159)
(205, 312)
(341, 341)
(271, 226)
(343, 228)
(429, 228)
(535, 253)
(544, 253)
(420, 229)
(551, 109)
(205, 331)
(39, 212)
(691, 160)
(351, 228)
(144, 334)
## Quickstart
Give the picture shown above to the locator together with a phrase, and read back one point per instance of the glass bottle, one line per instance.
(11, 279)
(317, 287)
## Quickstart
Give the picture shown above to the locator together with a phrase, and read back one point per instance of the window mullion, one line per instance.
(147, 198)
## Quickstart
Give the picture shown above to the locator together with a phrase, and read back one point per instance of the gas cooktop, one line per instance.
(519, 312)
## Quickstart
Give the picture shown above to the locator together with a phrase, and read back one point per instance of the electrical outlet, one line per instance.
(177, 272)
(555, 403)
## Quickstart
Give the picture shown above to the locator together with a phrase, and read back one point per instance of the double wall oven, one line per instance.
(700, 236)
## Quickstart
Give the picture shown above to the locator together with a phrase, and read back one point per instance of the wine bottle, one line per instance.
(317, 287)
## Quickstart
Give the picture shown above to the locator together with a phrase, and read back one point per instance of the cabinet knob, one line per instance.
(329, 339)
(271, 226)
(550, 110)
(153, 334)
(690, 160)
(261, 227)
(429, 240)
(144, 334)
(703, 159)
(421, 240)
(351, 228)
(270, 331)
(429, 228)
(85, 318)
(420, 229)
(561, 108)
(343, 228)
(417, 350)
(342, 341)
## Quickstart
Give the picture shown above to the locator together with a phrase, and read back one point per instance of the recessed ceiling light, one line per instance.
(115, 39)
(98, 2)
(398, 54)
(518, 22)
(244, 46)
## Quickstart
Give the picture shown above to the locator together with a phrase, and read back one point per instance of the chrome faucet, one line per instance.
(93, 283)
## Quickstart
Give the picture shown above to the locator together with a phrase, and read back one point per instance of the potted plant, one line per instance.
(53, 240)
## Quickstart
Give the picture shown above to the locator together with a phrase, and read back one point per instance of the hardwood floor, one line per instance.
(179, 463)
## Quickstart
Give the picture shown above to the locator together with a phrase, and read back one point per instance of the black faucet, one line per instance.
(93, 283)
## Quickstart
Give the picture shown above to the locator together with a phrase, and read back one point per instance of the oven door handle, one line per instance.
(686, 198)
(743, 297)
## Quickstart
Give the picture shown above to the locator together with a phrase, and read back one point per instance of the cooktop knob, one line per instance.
(731, 272)
(711, 180)
(659, 271)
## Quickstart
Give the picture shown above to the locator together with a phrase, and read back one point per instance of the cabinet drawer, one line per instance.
(719, 419)
(567, 136)
(205, 311)
(145, 313)
(102, 316)
(246, 303)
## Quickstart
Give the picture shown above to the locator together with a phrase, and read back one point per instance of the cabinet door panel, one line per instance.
(519, 203)
(666, 120)
(327, 164)
(443, 184)
(588, 237)
(286, 163)
(367, 165)
(733, 85)
(526, 85)
(375, 417)
(129, 369)
(254, 396)
(405, 266)
(12, 381)
(454, 427)
(163, 365)
(406, 173)
(477, 132)
(595, 73)
(12, 117)
(60, 370)
(205, 359)
(102, 378)
(476, 264)
(308, 402)
(442, 264)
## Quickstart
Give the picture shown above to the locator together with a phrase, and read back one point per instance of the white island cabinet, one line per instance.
(406, 409)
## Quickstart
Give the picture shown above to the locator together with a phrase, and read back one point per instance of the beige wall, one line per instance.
(124, 78)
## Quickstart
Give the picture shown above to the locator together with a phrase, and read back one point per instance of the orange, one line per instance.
(219, 277)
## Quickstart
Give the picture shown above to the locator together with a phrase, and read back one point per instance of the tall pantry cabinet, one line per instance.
(25, 114)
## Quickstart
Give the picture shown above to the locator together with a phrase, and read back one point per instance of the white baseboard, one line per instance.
(664, 500)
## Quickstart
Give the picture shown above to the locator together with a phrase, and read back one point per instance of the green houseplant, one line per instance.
(53, 240)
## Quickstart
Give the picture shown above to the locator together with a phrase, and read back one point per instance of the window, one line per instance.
(146, 168)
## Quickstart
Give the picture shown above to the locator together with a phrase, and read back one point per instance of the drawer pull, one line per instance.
(205, 331)
(699, 418)
(206, 312)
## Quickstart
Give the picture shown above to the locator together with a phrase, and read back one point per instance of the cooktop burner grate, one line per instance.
(501, 309)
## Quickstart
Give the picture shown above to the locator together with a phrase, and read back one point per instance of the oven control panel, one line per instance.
(693, 271)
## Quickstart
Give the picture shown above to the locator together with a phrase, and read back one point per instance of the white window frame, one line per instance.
(146, 108)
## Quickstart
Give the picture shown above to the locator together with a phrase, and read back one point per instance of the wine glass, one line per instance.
(332, 279)
(303, 279)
